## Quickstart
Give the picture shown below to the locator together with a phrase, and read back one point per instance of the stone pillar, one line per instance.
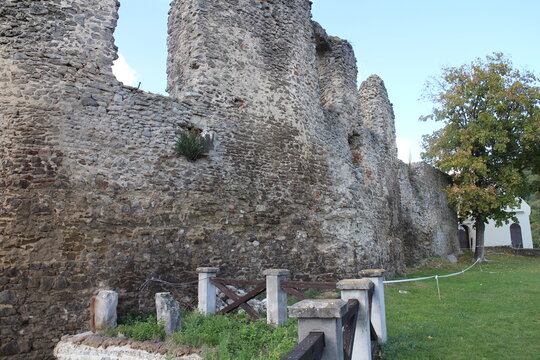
(323, 316)
(168, 312)
(378, 311)
(358, 289)
(105, 304)
(207, 290)
(276, 298)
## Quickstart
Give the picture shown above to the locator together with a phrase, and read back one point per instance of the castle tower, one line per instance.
(254, 55)
(377, 112)
(48, 50)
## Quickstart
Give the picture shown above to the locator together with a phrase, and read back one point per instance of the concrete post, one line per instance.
(105, 304)
(168, 312)
(358, 289)
(324, 316)
(207, 290)
(276, 298)
(378, 311)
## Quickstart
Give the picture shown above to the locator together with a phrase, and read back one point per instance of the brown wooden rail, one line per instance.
(373, 334)
(311, 348)
(349, 327)
(239, 301)
(293, 287)
(304, 285)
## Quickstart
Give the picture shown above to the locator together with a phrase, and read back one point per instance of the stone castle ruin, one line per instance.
(303, 173)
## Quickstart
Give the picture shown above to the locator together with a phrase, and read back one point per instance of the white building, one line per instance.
(514, 234)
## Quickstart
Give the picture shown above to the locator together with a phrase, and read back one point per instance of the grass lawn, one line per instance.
(491, 312)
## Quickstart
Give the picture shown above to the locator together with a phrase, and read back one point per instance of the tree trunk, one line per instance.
(480, 228)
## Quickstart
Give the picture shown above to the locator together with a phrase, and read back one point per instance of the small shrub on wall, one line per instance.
(191, 145)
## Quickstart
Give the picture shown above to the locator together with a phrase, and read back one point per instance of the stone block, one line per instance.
(207, 290)
(7, 297)
(276, 272)
(372, 272)
(359, 290)
(276, 313)
(168, 312)
(207, 270)
(355, 284)
(105, 310)
(322, 316)
(378, 310)
(324, 308)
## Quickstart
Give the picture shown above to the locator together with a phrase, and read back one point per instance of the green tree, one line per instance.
(491, 134)
(534, 201)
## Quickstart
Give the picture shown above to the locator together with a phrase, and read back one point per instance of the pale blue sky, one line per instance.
(404, 42)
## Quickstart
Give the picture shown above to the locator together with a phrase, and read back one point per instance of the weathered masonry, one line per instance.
(303, 174)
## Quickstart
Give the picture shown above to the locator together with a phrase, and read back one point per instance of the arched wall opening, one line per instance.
(464, 237)
(516, 236)
(141, 38)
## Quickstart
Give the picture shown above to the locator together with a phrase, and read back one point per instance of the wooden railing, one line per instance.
(311, 348)
(360, 294)
(349, 327)
(373, 334)
(293, 287)
(239, 301)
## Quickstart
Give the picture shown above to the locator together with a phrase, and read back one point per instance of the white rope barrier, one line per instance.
(147, 282)
(433, 276)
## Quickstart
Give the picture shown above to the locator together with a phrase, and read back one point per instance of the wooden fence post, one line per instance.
(276, 298)
(322, 316)
(359, 289)
(378, 312)
(207, 290)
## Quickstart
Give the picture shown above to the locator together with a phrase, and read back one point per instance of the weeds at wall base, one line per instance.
(223, 337)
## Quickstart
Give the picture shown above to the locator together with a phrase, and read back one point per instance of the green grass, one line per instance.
(491, 312)
(223, 337)
(139, 328)
(236, 337)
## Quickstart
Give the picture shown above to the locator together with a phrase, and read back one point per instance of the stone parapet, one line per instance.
(320, 308)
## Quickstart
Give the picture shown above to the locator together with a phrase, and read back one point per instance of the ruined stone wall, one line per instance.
(428, 222)
(93, 196)
(47, 50)
(283, 105)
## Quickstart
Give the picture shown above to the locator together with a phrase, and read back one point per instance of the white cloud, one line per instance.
(123, 72)
(404, 149)
(407, 150)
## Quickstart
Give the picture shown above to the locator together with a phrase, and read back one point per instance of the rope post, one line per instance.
(207, 290)
(322, 316)
(276, 298)
(359, 289)
(378, 310)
